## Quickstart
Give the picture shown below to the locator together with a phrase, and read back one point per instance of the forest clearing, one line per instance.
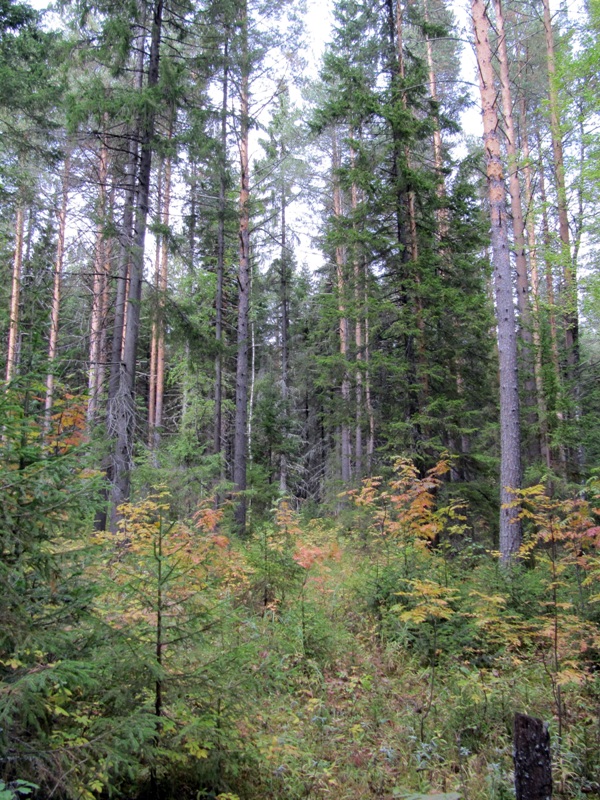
(299, 425)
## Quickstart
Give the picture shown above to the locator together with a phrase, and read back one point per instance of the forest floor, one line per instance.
(378, 653)
(390, 671)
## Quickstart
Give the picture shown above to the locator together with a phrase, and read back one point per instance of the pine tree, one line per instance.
(510, 435)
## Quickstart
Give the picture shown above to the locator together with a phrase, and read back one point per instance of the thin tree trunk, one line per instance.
(368, 399)
(518, 226)
(283, 287)
(437, 134)
(412, 218)
(535, 293)
(98, 290)
(548, 272)
(218, 423)
(340, 259)
(441, 213)
(252, 386)
(417, 366)
(568, 267)
(550, 302)
(12, 354)
(191, 267)
(55, 310)
(358, 334)
(106, 298)
(162, 282)
(241, 383)
(510, 433)
(126, 244)
(125, 401)
(154, 334)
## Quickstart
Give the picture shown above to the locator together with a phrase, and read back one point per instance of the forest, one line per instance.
(300, 409)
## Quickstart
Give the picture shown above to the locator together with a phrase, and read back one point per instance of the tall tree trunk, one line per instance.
(568, 267)
(283, 289)
(510, 433)
(12, 354)
(550, 302)
(525, 328)
(117, 336)
(368, 399)
(407, 234)
(122, 278)
(99, 278)
(154, 334)
(358, 332)
(163, 277)
(535, 293)
(125, 401)
(252, 386)
(218, 423)
(56, 292)
(106, 299)
(241, 381)
(340, 259)
(441, 213)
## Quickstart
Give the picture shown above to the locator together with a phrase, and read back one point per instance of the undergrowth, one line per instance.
(384, 660)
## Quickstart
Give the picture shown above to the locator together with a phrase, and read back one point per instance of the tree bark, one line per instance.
(370, 448)
(568, 267)
(550, 302)
(518, 226)
(533, 762)
(437, 134)
(154, 337)
(125, 400)
(510, 432)
(340, 260)
(12, 355)
(99, 280)
(283, 289)
(535, 293)
(56, 292)
(218, 422)
(241, 381)
(162, 283)
(358, 332)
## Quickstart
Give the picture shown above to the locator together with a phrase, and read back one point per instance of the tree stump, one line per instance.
(533, 766)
